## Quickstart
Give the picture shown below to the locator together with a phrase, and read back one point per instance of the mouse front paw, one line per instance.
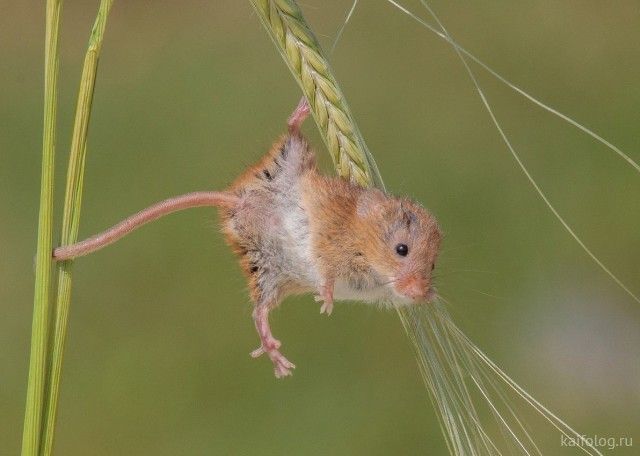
(326, 297)
(326, 307)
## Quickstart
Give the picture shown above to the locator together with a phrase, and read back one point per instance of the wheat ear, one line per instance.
(301, 51)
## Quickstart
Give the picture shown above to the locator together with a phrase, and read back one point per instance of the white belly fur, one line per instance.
(378, 294)
(297, 243)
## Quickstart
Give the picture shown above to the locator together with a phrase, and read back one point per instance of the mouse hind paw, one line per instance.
(281, 365)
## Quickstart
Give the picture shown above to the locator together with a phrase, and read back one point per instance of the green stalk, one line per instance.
(42, 295)
(71, 221)
(301, 51)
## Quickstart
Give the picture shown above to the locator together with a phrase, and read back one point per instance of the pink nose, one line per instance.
(414, 287)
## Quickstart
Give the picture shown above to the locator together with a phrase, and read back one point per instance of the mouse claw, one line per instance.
(282, 372)
(326, 295)
(327, 307)
(281, 365)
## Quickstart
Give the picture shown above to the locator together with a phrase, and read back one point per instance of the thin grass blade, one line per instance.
(433, 29)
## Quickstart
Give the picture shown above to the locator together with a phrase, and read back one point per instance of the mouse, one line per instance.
(298, 231)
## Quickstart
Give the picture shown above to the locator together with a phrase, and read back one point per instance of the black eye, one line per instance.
(402, 249)
(433, 266)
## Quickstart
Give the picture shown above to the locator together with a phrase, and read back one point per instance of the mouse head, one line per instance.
(401, 240)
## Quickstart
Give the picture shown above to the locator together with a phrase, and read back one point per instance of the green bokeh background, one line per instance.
(191, 92)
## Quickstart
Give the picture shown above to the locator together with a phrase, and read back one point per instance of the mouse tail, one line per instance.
(154, 212)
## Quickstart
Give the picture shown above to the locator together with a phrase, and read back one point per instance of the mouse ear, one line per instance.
(371, 202)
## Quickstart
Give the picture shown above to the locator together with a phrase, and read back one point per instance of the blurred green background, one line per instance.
(191, 92)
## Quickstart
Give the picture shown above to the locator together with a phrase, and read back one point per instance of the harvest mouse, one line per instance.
(297, 231)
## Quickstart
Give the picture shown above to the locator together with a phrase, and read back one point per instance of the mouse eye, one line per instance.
(402, 249)
(433, 266)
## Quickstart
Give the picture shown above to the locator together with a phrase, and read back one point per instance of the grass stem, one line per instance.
(42, 295)
(70, 223)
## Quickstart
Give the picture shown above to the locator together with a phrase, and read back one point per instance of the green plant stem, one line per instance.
(42, 295)
(71, 221)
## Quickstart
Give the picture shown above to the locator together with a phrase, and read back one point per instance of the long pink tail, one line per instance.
(177, 203)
